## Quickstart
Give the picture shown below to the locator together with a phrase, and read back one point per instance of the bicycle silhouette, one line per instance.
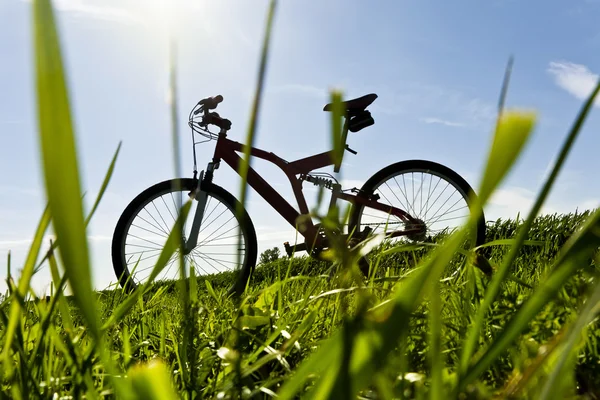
(382, 205)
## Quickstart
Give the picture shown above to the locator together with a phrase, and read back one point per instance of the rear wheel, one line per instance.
(434, 194)
(226, 242)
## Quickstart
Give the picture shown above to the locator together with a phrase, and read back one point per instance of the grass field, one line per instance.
(292, 306)
(518, 320)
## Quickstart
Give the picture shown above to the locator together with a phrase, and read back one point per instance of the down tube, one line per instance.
(267, 192)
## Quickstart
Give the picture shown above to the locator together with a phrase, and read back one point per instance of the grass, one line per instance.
(521, 325)
(283, 321)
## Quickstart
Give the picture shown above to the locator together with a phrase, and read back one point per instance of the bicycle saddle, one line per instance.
(358, 104)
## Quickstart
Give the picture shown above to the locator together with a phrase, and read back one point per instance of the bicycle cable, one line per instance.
(194, 151)
(196, 127)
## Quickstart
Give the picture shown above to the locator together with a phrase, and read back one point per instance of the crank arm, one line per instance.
(403, 233)
(376, 205)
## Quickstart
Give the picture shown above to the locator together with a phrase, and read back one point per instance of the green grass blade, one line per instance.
(171, 246)
(494, 287)
(552, 387)
(23, 286)
(245, 164)
(59, 160)
(383, 325)
(152, 381)
(61, 173)
(323, 360)
(519, 382)
(243, 172)
(193, 286)
(574, 254)
(183, 290)
(211, 291)
(336, 127)
(107, 177)
(173, 108)
(105, 182)
(505, 83)
(8, 267)
(506, 145)
(172, 243)
(62, 302)
(510, 242)
(512, 132)
(435, 338)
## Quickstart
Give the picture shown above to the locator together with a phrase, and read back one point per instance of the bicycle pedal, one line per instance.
(288, 249)
(293, 249)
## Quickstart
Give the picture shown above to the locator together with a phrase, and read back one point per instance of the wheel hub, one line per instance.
(419, 227)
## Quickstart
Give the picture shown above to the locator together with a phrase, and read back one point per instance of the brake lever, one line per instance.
(199, 110)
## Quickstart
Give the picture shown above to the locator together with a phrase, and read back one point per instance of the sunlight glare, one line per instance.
(168, 17)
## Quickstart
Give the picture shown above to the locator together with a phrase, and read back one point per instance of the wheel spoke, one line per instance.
(206, 258)
(161, 218)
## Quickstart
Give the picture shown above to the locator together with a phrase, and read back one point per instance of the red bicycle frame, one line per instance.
(227, 149)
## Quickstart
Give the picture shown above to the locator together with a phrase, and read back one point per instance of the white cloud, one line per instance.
(94, 10)
(442, 122)
(511, 200)
(423, 100)
(479, 111)
(19, 243)
(508, 202)
(576, 79)
(590, 204)
(460, 107)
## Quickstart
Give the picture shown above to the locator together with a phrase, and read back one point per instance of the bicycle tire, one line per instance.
(188, 184)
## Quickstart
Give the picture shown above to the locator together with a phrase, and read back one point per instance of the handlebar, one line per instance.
(212, 118)
(215, 119)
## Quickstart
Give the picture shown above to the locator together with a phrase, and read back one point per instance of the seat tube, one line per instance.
(336, 169)
(334, 195)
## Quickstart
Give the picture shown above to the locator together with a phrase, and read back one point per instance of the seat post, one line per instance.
(337, 167)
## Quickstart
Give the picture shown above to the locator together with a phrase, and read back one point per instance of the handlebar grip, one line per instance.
(210, 103)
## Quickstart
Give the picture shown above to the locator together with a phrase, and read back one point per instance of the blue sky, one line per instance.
(437, 68)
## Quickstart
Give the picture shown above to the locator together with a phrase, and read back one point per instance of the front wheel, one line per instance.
(439, 198)
(226, 241)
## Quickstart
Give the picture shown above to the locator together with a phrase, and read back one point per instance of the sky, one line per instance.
(436, 66)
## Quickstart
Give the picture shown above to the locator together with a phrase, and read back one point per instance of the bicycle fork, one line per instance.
(200, 196)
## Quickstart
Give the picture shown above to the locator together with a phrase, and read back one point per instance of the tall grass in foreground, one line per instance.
(411, 335)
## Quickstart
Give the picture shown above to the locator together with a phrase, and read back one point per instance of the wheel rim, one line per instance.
(218, 245)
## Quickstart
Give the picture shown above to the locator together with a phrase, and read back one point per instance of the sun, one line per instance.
(168, 15)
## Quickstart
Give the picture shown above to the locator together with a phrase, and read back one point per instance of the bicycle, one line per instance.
(210, 232)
